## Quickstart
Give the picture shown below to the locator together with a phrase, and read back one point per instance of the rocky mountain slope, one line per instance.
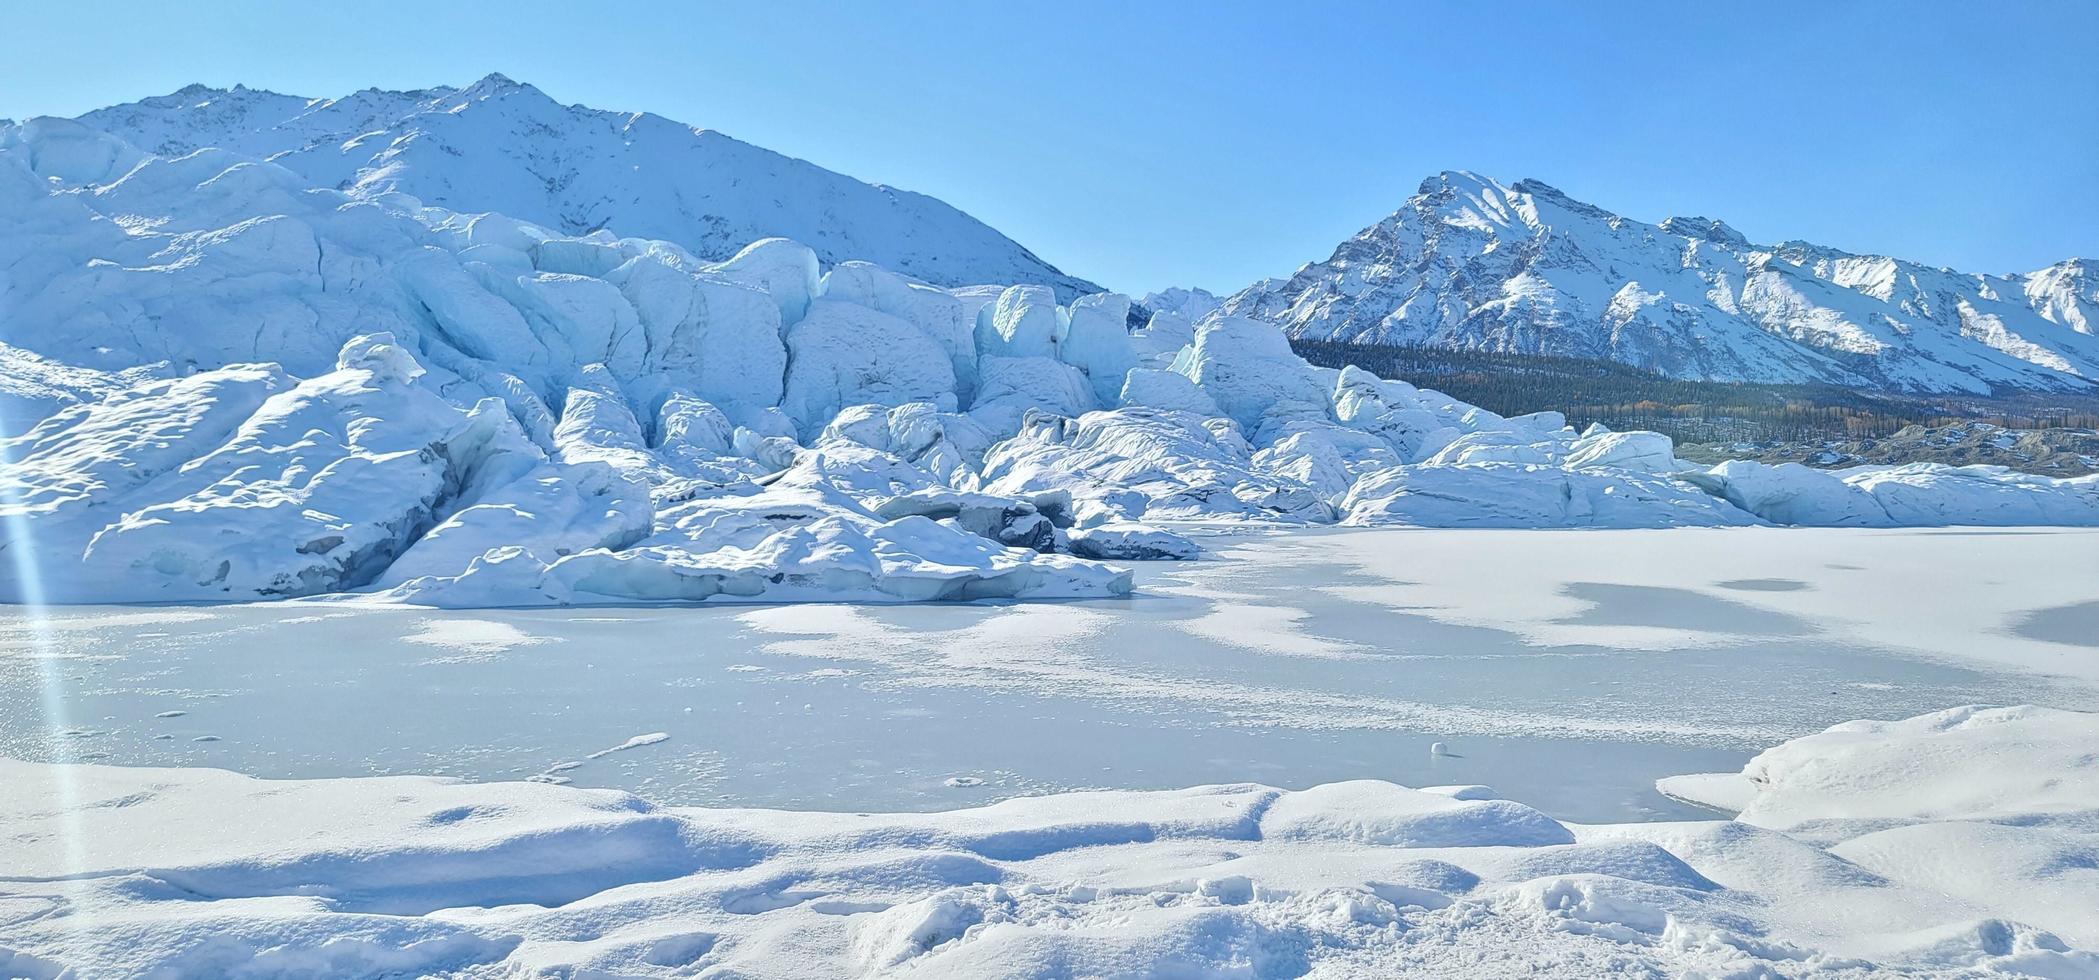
(1472, 263)
(499, 145)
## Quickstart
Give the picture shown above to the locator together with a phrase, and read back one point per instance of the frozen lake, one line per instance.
(1566, 669)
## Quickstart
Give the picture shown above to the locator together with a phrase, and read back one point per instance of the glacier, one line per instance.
(222, 380)
(1472, 263)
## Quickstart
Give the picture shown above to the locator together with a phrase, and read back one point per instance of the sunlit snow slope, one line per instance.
(1472, 263)
(499, 145)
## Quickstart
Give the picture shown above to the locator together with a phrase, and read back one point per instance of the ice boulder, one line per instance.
(69, 153)
(832, 558)
(467, 315)
(689, 426)
(548, 513)
(1248, 368)
(945, 444)
(1500, 446)
(1790, 493)
(318, 490)
(1514, 496)
(1162, 337)
(1024, 322)
(1030, 523)
(1119, 541)
(845, 354)
(1163, 389)
(783, 268)
(1010, 387)
(1325, 457)
(1917, 495)
(1097, 342)
(1182, 466)
(580, 320)
(936, 311)
(597, 425)
(1640, 452)
(719, 338)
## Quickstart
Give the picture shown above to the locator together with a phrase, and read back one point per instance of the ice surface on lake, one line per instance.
(1566, 669)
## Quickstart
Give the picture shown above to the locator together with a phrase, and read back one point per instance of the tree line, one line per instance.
(1624, 397)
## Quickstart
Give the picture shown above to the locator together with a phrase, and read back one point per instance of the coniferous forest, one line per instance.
(1624, 397)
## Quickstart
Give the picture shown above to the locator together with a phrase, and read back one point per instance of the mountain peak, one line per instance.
(1460, 181)
(495, 83)
(1523, 268)
(1538, 188)
(1708, 229)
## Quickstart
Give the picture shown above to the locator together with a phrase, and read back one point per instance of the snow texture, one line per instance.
(1953, 844)
(504, 146)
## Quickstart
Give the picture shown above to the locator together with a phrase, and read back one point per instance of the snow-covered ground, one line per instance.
(1957, 843)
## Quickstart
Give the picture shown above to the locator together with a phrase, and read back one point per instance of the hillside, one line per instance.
(504, 146)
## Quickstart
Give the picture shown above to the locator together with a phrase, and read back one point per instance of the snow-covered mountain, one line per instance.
(1473, 263)
(503, 146)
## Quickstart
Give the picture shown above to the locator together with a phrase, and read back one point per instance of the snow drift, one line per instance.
(1981, 865)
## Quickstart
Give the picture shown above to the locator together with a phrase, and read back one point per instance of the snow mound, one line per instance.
(1968, 763)
(1981, 867)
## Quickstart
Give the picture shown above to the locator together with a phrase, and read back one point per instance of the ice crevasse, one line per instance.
(220, 383)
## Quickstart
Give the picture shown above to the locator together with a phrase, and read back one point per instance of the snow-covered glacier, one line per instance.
(1472, 263)
(220, 381)
(502, 145)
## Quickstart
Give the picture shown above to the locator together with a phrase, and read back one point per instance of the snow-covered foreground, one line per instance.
(1956, 842)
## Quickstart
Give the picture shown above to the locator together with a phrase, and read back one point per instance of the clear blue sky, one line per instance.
(1146, 144)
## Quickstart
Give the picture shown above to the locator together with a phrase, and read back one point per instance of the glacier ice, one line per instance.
(220, 381)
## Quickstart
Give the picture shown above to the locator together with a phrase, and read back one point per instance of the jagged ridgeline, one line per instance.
(1475, 264)
(1620, 396)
